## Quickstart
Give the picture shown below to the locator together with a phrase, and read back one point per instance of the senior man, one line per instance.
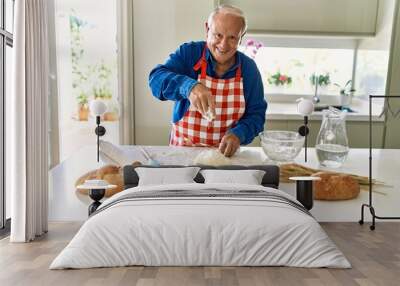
(218, 91)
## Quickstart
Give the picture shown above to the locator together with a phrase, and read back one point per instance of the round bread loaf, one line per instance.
(334, 187)
(110, 173)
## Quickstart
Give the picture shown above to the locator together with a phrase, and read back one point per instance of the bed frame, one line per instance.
(270, 179)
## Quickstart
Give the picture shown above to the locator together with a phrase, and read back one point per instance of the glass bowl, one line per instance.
(281, 146)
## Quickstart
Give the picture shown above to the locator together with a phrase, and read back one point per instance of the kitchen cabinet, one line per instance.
(325, 17)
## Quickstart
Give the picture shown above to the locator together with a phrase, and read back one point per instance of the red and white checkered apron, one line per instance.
(193, 129)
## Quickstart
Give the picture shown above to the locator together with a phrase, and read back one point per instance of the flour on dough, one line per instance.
(211, 157)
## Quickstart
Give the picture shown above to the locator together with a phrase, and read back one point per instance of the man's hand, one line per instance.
(201, 98)
(229, 144)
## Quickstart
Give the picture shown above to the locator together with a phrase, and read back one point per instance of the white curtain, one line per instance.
(28, 115)
(125, 72)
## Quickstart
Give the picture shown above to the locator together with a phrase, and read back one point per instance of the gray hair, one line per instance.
(228, 9)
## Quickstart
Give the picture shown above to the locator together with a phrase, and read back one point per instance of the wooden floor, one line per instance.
(374, 255)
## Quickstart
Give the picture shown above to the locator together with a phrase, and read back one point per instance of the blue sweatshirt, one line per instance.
(175, 79)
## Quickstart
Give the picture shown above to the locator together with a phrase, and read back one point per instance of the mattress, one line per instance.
(201, 225)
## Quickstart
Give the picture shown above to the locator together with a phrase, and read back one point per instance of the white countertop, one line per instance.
(288, 111)
(67, 205)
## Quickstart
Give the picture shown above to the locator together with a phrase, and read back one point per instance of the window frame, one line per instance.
(6, 39)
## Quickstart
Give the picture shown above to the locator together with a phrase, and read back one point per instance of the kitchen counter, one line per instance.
(288, 111)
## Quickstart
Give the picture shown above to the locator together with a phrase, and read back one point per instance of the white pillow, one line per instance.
(248, 177)
(165, 176)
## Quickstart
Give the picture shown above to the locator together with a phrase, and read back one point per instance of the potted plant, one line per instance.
(79, 77)
(83, 109)
(101, 90)
(112, 107)
(346, 93)
(322, 80)
(279, 79)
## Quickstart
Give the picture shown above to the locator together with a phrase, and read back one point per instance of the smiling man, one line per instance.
(218, 91)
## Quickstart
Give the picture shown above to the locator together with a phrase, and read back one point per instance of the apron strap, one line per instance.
(238, 74)
(202, 63)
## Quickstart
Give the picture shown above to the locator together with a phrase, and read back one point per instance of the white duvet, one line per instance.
(200, 231)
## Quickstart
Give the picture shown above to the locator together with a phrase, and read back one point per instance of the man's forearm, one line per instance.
(168, 85)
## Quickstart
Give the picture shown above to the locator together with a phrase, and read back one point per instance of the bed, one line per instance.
(201, 224)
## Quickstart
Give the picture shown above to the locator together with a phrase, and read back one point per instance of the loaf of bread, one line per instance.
(110, 173)
(333, 187)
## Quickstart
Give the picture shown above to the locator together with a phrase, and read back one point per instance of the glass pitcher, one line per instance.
(332, 145)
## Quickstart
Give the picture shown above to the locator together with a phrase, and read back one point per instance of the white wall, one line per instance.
(381, 41)
(392, 136)
(318, 17)
(159, 28)
(373, 53)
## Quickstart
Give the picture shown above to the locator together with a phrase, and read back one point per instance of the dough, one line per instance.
(211, 157)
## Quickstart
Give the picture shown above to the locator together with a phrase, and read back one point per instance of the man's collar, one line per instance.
(210, 59)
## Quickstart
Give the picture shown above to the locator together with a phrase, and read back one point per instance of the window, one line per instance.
(6, 44)
(293, 66)
(86, 60)
(295, 70)
(372, 68)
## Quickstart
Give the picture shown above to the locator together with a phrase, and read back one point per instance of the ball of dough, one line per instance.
(211, 157)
